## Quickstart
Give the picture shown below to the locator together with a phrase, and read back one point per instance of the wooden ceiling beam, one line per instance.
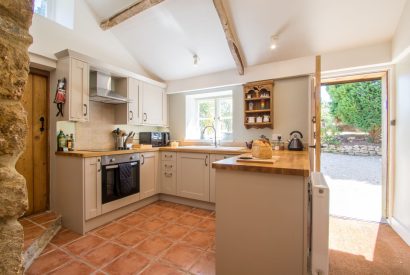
(128, 13)
(230, 38)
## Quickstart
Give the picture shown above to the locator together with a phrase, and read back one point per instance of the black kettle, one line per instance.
(295, 144)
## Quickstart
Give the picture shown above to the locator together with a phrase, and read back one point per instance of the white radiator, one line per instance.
(320, 225)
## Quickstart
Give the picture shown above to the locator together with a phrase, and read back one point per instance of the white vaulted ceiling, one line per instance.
(164, 38)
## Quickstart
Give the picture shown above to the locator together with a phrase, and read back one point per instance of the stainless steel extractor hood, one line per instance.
(101, 89)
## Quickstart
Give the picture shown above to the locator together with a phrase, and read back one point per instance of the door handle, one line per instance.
(86, 109)
(131, 115)
(206, 161)
(145, 117)
(142, 159)
(42, 124)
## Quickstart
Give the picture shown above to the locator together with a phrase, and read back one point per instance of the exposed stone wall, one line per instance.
(15, 20)
(353, 150)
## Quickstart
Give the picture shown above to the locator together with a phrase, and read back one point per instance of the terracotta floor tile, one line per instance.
(26, 223)
(43, 217)
(201, 212)
(170, 214)
(73, 268)
(128, 263)
(84, 244)
(189, 220)
(208, 225)
(151, 210)
(205, 265)
(201, 239)
(131, 237)
(32, 232)
(167, 204)
(174, 231)
(152, 225)
(65, 236)
(48, 262)
(50, 247)
(153, 245)
(183, 208)
(161, 269)
(103, 254)
(182, 255)
(111, 230)
(133, 219)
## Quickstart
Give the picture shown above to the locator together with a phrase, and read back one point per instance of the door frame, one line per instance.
(387, 178)
(46, 74)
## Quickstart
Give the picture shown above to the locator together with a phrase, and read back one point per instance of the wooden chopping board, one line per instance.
(257, 160)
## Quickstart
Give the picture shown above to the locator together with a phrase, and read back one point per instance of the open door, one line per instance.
(315, 118)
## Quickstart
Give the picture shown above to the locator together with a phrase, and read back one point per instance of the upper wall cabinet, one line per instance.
(130, 113)
(76, 73)
(153, 103)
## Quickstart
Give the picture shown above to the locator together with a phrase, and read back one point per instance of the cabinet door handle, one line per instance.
(206, 161)
(86, 109)
(131, 115)
(145, 117)
(142, 159)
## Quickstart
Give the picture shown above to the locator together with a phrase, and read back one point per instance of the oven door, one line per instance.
(111, 184)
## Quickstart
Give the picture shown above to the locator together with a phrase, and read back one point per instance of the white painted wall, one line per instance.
(275, 70)
(401, 39)
(86, 38)
(401, 207)
(357, 57)
(291, 111)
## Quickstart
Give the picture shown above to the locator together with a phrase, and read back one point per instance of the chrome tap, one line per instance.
(203, 131)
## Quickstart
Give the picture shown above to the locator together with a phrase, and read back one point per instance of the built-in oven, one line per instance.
(120, 176)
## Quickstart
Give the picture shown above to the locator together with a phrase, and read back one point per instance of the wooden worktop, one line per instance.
(186, 149)
(289, 163)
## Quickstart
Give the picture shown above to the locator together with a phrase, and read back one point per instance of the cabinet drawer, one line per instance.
(168, 182)
(167, 165)
(169, 156)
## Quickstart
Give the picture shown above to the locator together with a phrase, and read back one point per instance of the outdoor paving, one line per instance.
(355, 185)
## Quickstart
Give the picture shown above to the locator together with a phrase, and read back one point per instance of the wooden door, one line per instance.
(148, 175)
(193, 176)
(33, 163)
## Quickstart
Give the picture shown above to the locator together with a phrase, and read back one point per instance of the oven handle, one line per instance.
(107, 167)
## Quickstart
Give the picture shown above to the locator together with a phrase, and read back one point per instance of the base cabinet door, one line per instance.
(212, 175)
(148, 174)
(92, 187)
(193, 176)
(168, 177)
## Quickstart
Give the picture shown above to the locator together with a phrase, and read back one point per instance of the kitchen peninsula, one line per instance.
(262, 215)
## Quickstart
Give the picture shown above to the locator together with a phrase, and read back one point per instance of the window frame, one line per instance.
(217, 117)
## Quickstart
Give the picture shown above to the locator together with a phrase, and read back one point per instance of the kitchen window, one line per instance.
(59, 11)
(209, 109)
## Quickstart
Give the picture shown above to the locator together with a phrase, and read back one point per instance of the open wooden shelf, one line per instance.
(256, 98)
(260, 104)
(258, 111)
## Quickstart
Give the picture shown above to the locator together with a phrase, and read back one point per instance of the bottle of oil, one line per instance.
(61, 141)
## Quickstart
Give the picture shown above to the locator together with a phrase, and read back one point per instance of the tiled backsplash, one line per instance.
(96, 134)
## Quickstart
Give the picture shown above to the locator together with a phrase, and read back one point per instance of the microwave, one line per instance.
(156, 139)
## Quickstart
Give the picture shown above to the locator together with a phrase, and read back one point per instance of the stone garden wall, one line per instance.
(15, 20)
(353, 150)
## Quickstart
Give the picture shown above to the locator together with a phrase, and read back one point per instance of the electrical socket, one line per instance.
(276, 136)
